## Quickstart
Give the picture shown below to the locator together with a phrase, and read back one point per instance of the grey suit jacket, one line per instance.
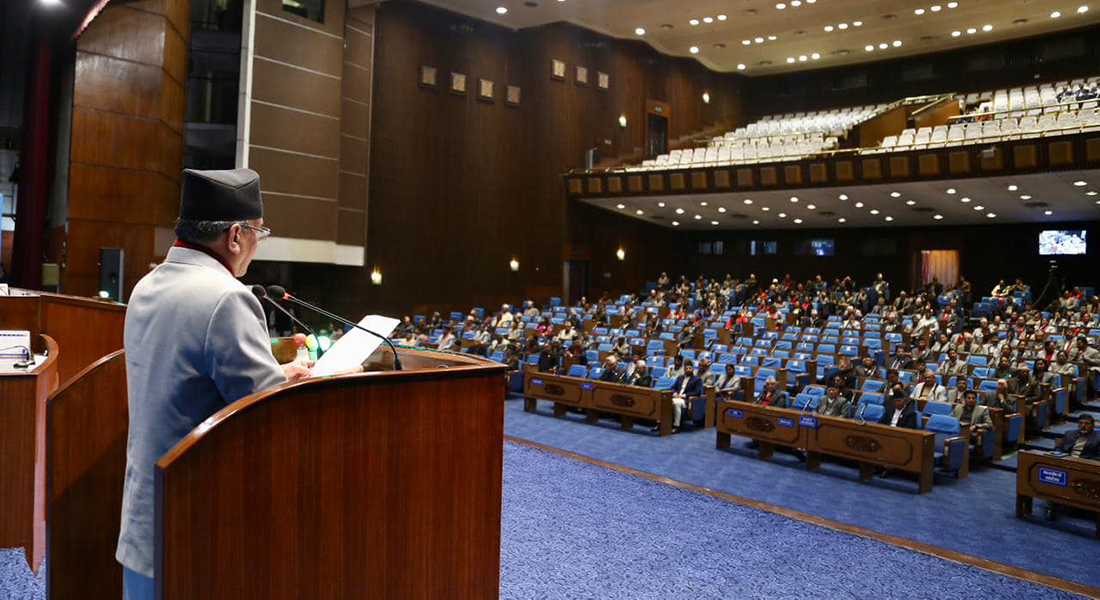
(980, 416)
(195, 341)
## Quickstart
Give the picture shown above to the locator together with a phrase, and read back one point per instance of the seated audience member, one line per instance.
(511, 358)
(621, 348)
(550, 358)
(842, 386)
(973, 414)
(942, 344)
(771, 395)
(901, 360)
(567, 332)
(447, 341)
(1083, 442)
(576, 352)
(1023, 385)
(1004, 368)
(953, 365)
(544, 327)
(867, 369)
(1043, 374)
(833, 404)
(1062, 366)
(928, 389)
(1084, 353)
(845, 371)
(688, 387)
(640, 377)
(904, 413)
(708, 375)
(677, 368)
(957, 394)
(999, 398)
(922, 353)
(611, 372)
(892, 378)
(729, 384)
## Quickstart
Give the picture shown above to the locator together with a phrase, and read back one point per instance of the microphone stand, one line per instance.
(261, 293)
(325, 313)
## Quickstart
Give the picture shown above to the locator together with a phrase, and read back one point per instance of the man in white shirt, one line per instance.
(928, 389)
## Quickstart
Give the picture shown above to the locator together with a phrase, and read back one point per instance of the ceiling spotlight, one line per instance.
(842, 220)
(991, 215)
(756, 222)
(694, 49)
(679, 211)
(697, 217)
(722, 209)
(842, 26)
(639, 31)
(883, 46)
(798, 221)
(780, 6)
(956, 33)
(714, 222)
(782, 215)
(889, 218)
(874, 211)
(972, 31)
(979, 208)
(764, 208)
(964, 200)
(1082, 9)
(1080, 183)
(1055, 15)
(796, 3)
(815, 55)
(895, 194)
(661, 204)
(772, 38)
(950, 190)
(1090, 193)
(702, 204)
(897, 43)
(811, 207)
(803, 58)
(987, 27)
(758, 40)
(1025, 197)
(639, 212)
(1012, 188)
(937, 217)
(794, 199)
(620, 206)
(859, 205)
(857, 23)
(706, 97)
(746, 42)
(747, 201)
(952, 5)
(675, 223)
(721, 17)
(708, 20)
(829, 28)
(693, 22)
(843, 196)
(501, 10)
(869, 47)
(910, 202)
(919, 11)
(935, 8)
(1048, 212)
(790, 59)
(740, 66)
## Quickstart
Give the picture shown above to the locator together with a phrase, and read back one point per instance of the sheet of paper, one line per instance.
(355, 346)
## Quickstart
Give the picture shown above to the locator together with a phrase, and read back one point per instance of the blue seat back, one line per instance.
(664, 383)
(595, 373)
(872, 412)
(802, 400)
(937, 408)
(873, 385)
(577, 371)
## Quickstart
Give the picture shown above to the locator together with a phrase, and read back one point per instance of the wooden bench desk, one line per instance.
(1060, 479)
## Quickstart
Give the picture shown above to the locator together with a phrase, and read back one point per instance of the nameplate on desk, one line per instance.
(587, 386)
(808, 422)
(733, 413)
(785, 422)
(536, 382)
(1053, 477)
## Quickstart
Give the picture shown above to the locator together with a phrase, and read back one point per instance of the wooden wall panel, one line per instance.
(126, 145)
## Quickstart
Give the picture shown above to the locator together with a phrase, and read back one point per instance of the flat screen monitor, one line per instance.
(1054, 242)
(818, 247)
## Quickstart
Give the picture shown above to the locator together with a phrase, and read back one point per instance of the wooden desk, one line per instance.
(627, 401)
(1060, 479)
(23, 454)
(869, 444)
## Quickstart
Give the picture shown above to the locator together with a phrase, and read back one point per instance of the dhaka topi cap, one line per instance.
(229, 195)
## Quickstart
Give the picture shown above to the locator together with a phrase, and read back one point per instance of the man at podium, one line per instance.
(195, 341)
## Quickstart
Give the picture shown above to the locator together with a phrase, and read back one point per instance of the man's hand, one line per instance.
(296, 370)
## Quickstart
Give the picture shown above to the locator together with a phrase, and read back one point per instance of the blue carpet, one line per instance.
(974, 516)
(572, 529)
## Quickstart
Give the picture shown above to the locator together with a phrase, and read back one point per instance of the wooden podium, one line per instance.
(378, 485)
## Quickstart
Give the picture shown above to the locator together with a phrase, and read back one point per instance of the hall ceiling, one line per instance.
(756, 37)
(1040, 198)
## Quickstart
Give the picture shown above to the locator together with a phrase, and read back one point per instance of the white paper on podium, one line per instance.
(355, 346)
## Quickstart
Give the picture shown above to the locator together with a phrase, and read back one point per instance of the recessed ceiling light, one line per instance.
(1025, 197)
(1012, 188)
(935, 8)
(665, 25)
(782, 215)
(1090, 193)
(895, 194)
(639, 212)
(979, 207)
(910, 202)
(639, 31)
(675, 223)
(798, 221)
(796, 3)
(661, 204)
(694, 49)
(937, 217)
(897, 43)
(950, 190)
(991, 215)
(708, 20)
(843, 196)
(829, 28)
(722, 17)
(756, 222)
(747, 201)
(964, 200)
(780, 6)
(987, 27)
(794, 199)
(972, 31)
(679, 211)
(956, 33)
(764, 208)
(919, 11)
(1055, 15)
(1048, 212)
(714, 222)
(697, 217)
(790, 59)
(1080, 183)
(842, 220)
(620, 206)
(702, 204)
(811, 207)
(721, 209)
(746, 42)
(772, 38)
(501, 10)
(857, 23)
(758, 40)
(740, 66)
(803, 58)
(859, 205)
(952, 4)
(889, 218)
(874, 211)
(1082, 9)
(883, 46)
(842, 26)
(868, 47)
(693, 22)
(815, 55)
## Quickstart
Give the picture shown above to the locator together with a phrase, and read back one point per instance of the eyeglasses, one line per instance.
(262, 233)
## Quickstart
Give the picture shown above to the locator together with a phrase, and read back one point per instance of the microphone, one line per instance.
(259, 292)
(279, 291)
(25, 363)
(859, 417)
